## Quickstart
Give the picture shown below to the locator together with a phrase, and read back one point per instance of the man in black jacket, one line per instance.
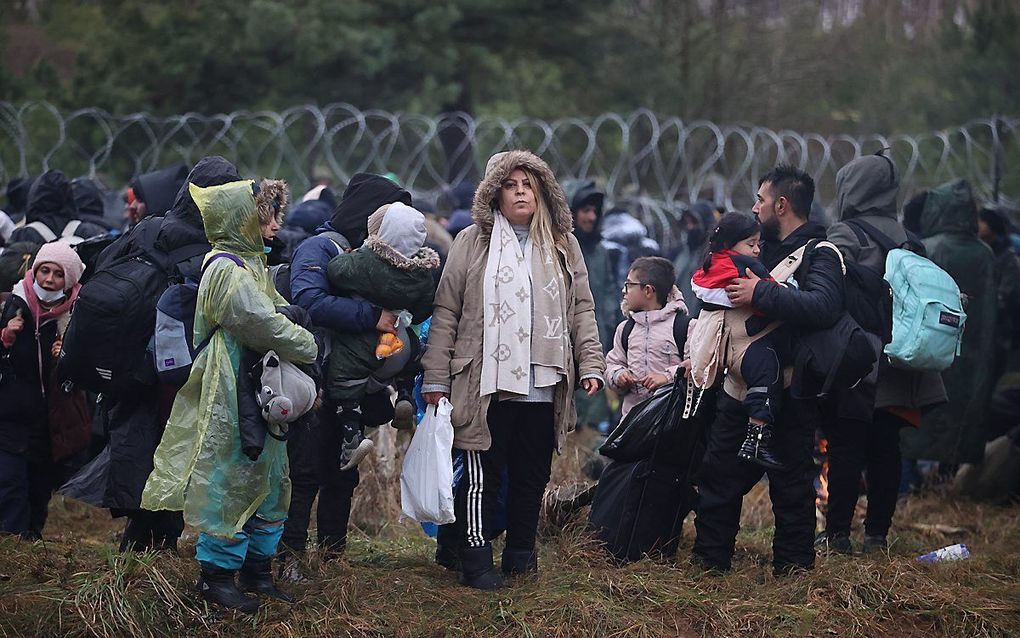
(135, 422)
(783, 204)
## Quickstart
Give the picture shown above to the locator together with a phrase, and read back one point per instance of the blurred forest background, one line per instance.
(830, 66)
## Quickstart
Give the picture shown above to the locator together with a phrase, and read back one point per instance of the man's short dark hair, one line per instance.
(656, 272)
(794, 184)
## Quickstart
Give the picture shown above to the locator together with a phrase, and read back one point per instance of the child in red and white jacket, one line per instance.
(742, 342)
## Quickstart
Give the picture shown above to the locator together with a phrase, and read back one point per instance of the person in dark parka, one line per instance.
(994, 229)
(311, 289)
(784, 202)
(954, 433)
(586, 203)
(866, 439)
(88, 198)
(135, 422)
(157, 190)
(51, 203)
(17, 197)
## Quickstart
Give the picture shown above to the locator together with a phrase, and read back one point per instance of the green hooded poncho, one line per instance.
(198, 466)
(955, 433)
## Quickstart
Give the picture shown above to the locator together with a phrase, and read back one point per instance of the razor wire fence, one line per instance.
(654, 164)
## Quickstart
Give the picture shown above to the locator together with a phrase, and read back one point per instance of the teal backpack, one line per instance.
(927, 309)
(928, 316)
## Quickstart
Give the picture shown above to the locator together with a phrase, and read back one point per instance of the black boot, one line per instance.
(447, 557)
(137, 536)
(518, 562)
(764, 454)
(332, 546)
(747, 447)
(217, 586)
(256, 577)
(478, 570)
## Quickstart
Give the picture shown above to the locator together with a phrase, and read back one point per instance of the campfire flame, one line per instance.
(822, 482)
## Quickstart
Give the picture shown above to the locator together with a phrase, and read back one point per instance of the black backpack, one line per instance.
(680, 323)
(834, 358)
(868, 297)
(172, 345)
(104, 349)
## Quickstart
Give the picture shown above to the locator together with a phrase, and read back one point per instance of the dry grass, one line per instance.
(74, 584)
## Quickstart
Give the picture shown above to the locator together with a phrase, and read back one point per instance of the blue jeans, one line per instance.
(258, 539)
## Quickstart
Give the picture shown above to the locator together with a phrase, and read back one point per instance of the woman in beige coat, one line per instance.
(512, 333)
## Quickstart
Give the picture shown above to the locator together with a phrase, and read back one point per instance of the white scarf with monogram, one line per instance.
(523, 286)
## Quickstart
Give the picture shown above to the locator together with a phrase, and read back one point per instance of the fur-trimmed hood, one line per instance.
(271, 200)
(424, 259)
(498, 169)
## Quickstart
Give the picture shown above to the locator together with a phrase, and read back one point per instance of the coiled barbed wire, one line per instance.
(656, 164)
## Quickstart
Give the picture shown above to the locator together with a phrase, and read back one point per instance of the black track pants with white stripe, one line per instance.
(521, 453)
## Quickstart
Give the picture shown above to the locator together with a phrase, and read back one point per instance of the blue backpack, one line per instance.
(171, 345)
(927, 309)
(928, 316)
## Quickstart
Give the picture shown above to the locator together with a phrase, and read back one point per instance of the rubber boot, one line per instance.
(519, 562)
(256, 577)
(217, 586)
(765, 454)
(477, 569)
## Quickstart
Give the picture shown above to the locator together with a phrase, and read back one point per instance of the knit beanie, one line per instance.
(61, 254)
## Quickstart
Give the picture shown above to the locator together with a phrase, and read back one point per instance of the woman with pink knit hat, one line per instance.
(33, 322)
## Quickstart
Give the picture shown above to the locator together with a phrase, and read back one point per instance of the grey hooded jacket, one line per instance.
(866, 189)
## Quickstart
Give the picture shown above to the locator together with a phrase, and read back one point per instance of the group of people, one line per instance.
(528, 322)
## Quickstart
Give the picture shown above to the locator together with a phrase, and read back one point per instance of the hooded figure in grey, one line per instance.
(866, 190)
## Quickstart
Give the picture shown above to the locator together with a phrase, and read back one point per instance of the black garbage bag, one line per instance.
(634, 438)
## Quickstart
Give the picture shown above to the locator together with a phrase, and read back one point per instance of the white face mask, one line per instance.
(47, 296)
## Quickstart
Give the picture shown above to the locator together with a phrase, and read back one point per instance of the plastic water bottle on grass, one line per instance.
(953, 552)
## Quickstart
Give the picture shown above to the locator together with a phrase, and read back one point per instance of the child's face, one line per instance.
(748, 247)
(637, 295)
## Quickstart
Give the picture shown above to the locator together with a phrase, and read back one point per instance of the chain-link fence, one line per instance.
(656, 163)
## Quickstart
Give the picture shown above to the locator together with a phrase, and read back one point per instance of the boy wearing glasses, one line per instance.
(645, 355)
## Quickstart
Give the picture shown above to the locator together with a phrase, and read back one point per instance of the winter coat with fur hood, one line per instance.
(453, 359)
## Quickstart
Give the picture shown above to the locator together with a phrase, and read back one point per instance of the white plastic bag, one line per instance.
(426, 480)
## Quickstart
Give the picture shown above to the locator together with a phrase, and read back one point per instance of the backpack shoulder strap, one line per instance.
(681, 321)
(71, 228)
(625, 337)
(881, 239)
(237, 261)
(862, 236)
(831, 246)
(232, 257)
(43, 230)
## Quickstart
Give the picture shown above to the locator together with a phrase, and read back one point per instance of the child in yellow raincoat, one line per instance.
(239, 505)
